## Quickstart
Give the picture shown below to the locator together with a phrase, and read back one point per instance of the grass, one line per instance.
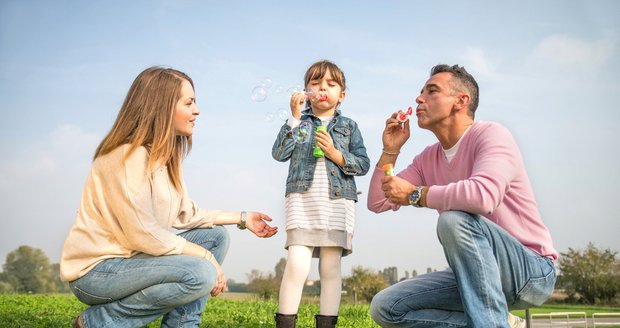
(548, 308)
(232, 310)
(228, 311)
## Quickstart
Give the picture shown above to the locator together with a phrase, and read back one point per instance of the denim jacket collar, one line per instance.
(308, 112)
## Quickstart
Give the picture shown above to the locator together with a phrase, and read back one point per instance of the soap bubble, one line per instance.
(269, 117)
(279, 89)
(295, 88)
(266, 83)
(301, 134)
(259, 94)
(316, 96)
(283, 114)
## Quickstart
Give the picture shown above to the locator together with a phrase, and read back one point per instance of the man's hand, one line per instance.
(395, 134)
(396, 189)
(257, 223)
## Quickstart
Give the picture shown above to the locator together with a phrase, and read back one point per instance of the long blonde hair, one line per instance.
(146, 119)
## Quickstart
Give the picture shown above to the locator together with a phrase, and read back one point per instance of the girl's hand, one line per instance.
(221, 284)
(326, 143)
(257, 223)
(297, 102)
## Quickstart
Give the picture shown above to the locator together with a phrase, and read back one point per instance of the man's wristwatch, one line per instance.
(244, 216)
(416, 195)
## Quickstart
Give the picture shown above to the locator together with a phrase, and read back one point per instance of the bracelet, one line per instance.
(387, 152)
(205, 256)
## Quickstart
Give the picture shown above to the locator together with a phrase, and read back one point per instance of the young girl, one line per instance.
(320, 191)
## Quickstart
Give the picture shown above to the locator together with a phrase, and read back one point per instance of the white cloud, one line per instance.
(63, 150)
(565, 51)
(478, 63)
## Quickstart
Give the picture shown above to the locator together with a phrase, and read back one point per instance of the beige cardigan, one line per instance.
(123, 213)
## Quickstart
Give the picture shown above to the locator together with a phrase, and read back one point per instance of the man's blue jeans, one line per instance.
(131, 292)
(490, 271)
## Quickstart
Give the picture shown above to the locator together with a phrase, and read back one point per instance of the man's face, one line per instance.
(435, 102)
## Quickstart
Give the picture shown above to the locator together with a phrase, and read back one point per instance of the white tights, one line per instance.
(296, 272)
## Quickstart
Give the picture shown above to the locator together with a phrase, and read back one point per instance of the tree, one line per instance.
(236, 287)
(263, 284)
(279, 269)
(592, 274)
(28, 269)
(364, 283)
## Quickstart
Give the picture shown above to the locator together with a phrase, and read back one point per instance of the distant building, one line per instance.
(390, 274)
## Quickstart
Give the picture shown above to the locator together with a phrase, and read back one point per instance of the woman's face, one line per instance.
(186, 111)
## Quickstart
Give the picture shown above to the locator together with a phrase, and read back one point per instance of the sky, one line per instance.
(547, 70)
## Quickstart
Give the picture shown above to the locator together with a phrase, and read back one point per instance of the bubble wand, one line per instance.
(403, 116)
(316, 96)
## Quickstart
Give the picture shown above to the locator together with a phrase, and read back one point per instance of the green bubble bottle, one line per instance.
(318, 152)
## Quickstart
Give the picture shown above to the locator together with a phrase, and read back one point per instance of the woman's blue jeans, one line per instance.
(490, 272)
(131, 292)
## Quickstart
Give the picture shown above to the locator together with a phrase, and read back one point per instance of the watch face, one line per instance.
(414, 199)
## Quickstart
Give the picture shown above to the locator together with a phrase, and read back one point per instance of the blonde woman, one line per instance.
(140, 248)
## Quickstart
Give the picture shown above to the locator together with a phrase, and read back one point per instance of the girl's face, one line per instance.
(185, 111)
(328, 86)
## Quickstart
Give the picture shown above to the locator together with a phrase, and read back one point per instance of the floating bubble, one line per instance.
(269, 117)
(279, 89)
(266, 83)
(301, 134)
(283, 114)
(295, 88)
(259, 94)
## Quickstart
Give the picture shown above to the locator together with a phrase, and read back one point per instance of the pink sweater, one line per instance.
(486, 176)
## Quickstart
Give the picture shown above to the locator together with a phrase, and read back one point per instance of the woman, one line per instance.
(122, 255)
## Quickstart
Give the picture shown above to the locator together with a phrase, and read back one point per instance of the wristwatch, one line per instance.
(244, 216)
(416, 195)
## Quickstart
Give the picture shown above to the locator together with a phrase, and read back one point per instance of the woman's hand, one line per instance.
(297, 102)
(221, 284)
(257, 223)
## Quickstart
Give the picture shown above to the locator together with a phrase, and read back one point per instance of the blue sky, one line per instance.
(548, 70)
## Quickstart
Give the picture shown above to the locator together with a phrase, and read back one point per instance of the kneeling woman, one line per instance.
(140, 248)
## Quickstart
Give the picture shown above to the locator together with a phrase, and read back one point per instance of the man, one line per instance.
(499, 251)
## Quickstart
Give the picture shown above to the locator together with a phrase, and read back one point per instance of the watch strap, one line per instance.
(244, 217)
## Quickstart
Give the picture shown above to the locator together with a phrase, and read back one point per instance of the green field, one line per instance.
(231, 310)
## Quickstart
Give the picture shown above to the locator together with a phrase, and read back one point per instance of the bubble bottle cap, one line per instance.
(388, 169)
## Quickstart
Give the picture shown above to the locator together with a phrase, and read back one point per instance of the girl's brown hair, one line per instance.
(146, 119)
(318, 70)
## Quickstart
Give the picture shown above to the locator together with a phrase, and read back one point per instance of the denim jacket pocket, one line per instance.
(342, 136)
(538, 289)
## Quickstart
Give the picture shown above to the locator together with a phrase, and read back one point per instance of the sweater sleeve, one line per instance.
(190, 216)
(128, 193)
(494, 164)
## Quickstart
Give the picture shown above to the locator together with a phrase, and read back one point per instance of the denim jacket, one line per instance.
(347, 139)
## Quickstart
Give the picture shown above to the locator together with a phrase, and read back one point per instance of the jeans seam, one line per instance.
(415, 295)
